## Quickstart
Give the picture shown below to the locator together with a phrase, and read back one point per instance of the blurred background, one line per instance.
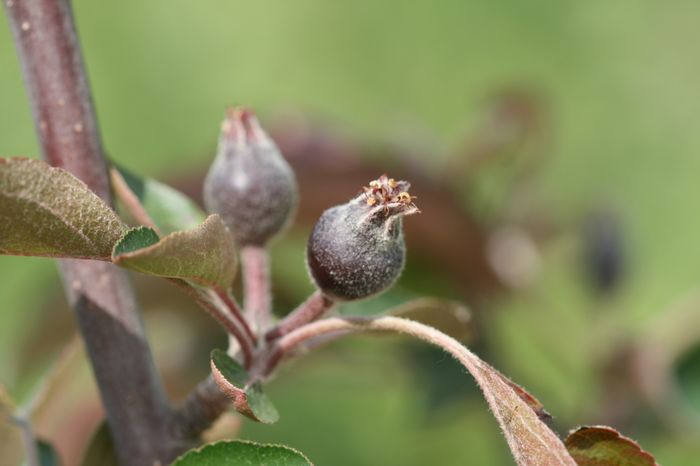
(553, 147)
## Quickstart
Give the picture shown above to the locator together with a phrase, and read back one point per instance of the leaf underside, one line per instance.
(204, 255)
(530, 439)
(243, 453)
(604, 446)
(46, 211)
(248, 399)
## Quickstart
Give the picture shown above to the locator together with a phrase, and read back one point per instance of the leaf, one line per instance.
(135, 239)
(450, 317)
(46, 211)
(243, 453)
(233, 380)
(604, 446)
(531, 401)
(169, 209)
(47, 454)
(100, 450)
(530, 440)
(204, 255)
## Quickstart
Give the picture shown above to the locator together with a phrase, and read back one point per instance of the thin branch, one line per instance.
(210, 302)
(107, 314)
(207, 402)
(31, 446)
(314, 307)
(235, 312)
(349, 325)
(130, 200)
(257, 300)
(201, 408)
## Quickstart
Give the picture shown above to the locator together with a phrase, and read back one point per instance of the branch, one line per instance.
(207, 402)
(257, 301)
(235, 312)
(107, 314)
(130, 201)
(202, 407)
(314, 307)
(28, 439)
(211, 302)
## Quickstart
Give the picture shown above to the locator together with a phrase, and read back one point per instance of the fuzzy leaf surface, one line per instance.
(233, 380)
(530, 440)
(169, 209)
(204, 255)
(243, 453)
(604, 446)
(46, 211)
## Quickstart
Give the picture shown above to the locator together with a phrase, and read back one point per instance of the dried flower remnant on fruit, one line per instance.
(250, 185)
(384, 191)
(357, 249)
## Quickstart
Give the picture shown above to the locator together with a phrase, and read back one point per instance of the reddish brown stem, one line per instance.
(235, 311)
(314, 307)
(256, 286)
(107, 314)
(221, 316)
(130, 200)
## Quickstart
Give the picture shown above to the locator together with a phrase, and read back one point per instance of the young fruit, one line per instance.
(357, 249)
(250, 185)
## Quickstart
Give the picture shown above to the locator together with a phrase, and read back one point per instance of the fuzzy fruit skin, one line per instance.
(250, 185)
(351, 255)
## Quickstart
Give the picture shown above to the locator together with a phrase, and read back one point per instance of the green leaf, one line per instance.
(46, 211)
(47, 454)
(248, 398)
(604, 446)
(100, 450)
(243, 453)
(204, 255)
(135, 239)
(169, 209)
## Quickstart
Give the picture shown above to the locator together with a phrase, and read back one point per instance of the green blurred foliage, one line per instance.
(620, 82)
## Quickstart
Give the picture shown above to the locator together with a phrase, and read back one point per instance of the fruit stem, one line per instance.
(257, 299)
(235, 311)
(211, 302)
(314, 307)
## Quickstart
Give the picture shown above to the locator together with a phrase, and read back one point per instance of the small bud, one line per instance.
(357, 249)
(250, 185)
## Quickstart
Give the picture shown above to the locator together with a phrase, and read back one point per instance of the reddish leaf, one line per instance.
(604, 446)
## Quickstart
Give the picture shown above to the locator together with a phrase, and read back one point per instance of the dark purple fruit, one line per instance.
(357, 249)
(250, 185)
